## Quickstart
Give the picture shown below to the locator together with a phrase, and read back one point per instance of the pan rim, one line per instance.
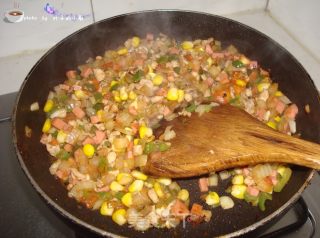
(102, 232)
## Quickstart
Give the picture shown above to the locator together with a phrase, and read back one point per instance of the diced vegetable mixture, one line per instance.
(100, 128)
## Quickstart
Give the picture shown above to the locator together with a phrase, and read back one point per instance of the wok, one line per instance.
(93, 40)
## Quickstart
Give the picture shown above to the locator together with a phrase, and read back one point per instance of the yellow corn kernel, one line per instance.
(124, 178)
(135, 41)
(88, 150)
(238, 179)
(183, 195)
(123, 94)
(272, 124)
(106, 209)
(116, 187)
(119, 216)
(46, 126)
(244, 59)
(104, 91)
(187, 45)
(172, 94)
(277, 118)
(209, 61)
(157, 79)
(158, 189)
(102, 116)
(127, 199)
(180, 95)
(132, 95)
(122, 51)
(165, 181)
(139, 175)
(150, 69)
(61, 136)
(136, 186)
(263, 86)
(212, 199)
(238, 191)
(48, 106)
(241, 83)
(80, 94)
(145, 132)
(278, 94)
(113, 82)
(136, 141)
(116, 96)
(281, 170)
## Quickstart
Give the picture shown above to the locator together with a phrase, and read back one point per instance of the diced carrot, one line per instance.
(54, 141)
(209, 49)
(96, 84)
(221, 95)
(134, 127)
(253, 191)
(179, 209)
(88, 140)
(107, 65)
(99, 137)
(204, 184)
(170, 78)
(94, 119)
(188, 57)
(78, 112)
(196, 209)
(280, 106)
(68, 147)
(86, 72)
(223, 78)
(71, 74)
(291, 111)
(59, 124)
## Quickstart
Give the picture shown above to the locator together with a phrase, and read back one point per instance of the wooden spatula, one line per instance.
(224, 138)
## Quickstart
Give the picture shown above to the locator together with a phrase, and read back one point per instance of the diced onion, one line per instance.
(213, 180)
(34, 106)
(224, 175)
(226, 202)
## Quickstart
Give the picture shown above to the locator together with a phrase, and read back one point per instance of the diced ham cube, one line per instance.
(280, 106)
(99, 137)
(78, 112)
(88, 140)
(204, 184)
(253, 191)
(94, 119)
(60, 124)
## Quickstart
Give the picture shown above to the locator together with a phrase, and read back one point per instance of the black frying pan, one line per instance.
(110, 33)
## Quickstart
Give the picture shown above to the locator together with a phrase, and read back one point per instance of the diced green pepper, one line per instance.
(90, 87)
(63, 155)
(119, 195)
(98, 106)
(191, 108)
(176, 69)
(98, 96)
(105, 195)
(251, 199)
(137, 76)
(114, 87)
(237, 64)
(149, 147)
(283, 180)
(262, 200)
(162, 146)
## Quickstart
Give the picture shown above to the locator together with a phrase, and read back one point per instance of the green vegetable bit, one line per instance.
(191, 108)
(283, 180)
(237, 64)
(137, 76)
(263, 197)
(63, 155)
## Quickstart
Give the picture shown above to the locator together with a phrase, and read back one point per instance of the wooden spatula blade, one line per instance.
(224, 138)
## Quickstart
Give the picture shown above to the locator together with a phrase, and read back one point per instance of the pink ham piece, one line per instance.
(78, 112)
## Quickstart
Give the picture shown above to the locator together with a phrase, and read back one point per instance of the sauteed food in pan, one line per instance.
(100, 127)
